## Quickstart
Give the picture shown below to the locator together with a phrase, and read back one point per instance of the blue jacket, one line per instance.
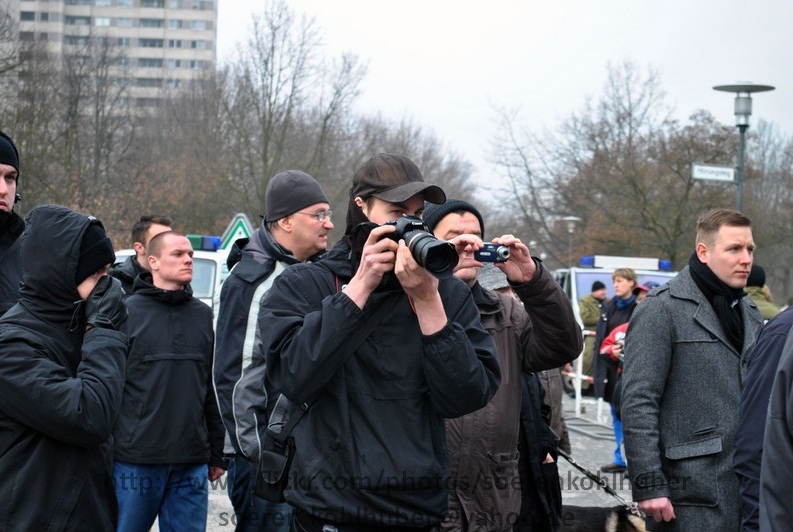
(372, 448)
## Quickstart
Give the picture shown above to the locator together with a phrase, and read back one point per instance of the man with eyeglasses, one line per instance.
(294, 230)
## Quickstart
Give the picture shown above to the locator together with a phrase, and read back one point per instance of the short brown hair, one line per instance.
(626, 273)
(154, 249)
(142, 225)
(708, 224)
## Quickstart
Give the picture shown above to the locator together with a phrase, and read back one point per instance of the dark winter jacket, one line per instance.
(483, 445)
(372, 447)
(169, 413)
(776, 477)
(606, 369)
(755, 394)
(60, 390)
(541, 491)
(11, 227)
(244, 395)
(126, 272)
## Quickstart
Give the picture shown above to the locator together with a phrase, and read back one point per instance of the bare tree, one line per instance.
(621, 165)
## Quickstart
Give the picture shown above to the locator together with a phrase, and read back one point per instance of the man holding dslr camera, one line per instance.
(381, 351)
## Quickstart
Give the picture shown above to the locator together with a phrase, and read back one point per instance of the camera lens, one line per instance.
(436, 256)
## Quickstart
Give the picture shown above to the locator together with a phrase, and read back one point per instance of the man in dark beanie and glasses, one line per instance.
(11, 224)
(62, 367)
(295, 230)
(381, 351)
(681, 385)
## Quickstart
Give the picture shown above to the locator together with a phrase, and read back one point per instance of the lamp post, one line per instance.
(743, 110)
(571, 221)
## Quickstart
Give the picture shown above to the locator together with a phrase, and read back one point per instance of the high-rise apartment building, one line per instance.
(164, 43)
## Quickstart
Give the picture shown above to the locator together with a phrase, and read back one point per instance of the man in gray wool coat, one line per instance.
(682, 382)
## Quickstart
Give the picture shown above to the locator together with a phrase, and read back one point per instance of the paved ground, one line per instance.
(592, 445)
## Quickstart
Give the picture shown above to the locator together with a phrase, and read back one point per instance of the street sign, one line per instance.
(713, 173)
(239, 227)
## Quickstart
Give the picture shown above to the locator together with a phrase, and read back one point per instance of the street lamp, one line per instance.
(571, 221)
(743, 110)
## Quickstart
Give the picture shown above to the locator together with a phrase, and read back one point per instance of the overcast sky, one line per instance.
(446, 63)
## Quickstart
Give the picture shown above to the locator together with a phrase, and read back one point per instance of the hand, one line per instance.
(466, 245)
(548, 459)
(106, 306)
(660, 508)
(417, 282)
(215, 473)
(520, 267)
(377, 258)
(616, 351)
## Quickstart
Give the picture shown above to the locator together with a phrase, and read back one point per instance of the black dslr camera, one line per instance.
(492, 253)
(436, 256)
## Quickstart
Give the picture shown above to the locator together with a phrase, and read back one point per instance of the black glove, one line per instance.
(106, 306)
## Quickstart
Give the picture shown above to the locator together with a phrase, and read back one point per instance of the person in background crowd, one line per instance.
(294, 230)
(381, 351)
(776, 471)
(541, 333)
(11, 224)
(146, 228)
(616, 312)
(755, 396)
(168, 437)
(758, 291)
(590, 308)
(62, 367)
(681, 382)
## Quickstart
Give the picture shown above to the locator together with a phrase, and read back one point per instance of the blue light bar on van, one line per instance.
(204, 242)
(587, 262)
(665, 265)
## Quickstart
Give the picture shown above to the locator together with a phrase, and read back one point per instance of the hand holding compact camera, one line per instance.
(492, 252)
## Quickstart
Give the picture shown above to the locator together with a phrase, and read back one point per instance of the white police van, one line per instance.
(577, 281)
(209, 266)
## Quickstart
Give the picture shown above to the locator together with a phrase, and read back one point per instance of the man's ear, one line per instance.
(139, 248)
(285, 223)
(152, 260)
(702, 252)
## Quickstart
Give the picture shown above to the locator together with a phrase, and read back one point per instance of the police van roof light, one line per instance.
(204, 242)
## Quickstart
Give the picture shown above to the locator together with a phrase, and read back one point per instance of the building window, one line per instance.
(152, 23)
(198, 45)
(78, 21)
(175, 24)
(102, 22)
(149, 62)
(124, 41)
(200, 25)
(174, 63)
(174, 43)
(75, 40)
(123, 3)
(27, 36)
(149, 82)
(122, 61)
(152, 3)
(173, 83)
(44, 16)
(175, 4)
(79, 2)
(26, 16)
(196, 64)
(150, 43)
(102, 3)
(124, 22)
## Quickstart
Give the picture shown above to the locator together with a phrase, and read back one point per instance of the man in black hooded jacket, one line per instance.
(168, 437)
(62, 365)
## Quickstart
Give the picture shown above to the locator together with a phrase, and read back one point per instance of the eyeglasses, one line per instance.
(320, 215)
